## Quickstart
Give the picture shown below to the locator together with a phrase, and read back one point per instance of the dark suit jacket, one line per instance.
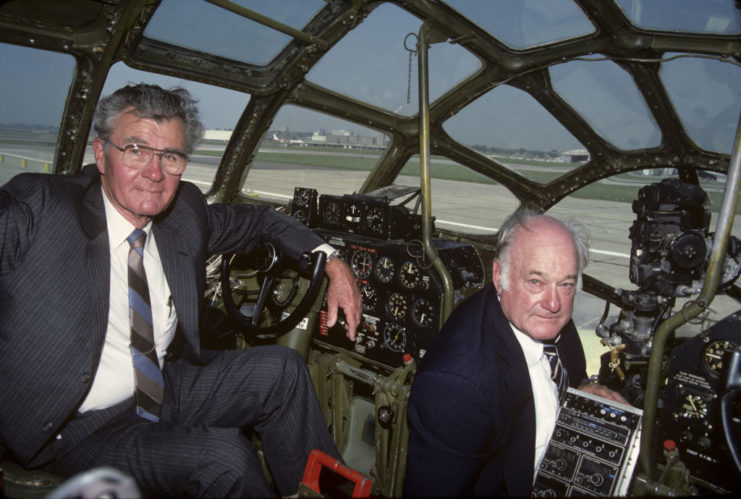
(471, 410)
(55, 279)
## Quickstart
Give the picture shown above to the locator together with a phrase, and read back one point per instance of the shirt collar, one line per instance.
(118, 227)
(532, 349)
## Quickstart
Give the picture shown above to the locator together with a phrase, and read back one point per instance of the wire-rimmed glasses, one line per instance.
(138, 157)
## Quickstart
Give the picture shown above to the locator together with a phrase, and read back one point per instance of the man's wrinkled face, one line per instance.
(543, 273)
(139, 195)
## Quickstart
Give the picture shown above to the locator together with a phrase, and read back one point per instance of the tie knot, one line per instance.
(550, 349)
(136, 238)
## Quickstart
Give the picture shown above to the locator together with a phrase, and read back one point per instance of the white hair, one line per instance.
(518, 220)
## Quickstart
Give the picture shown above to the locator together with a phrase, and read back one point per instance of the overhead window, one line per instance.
(372, 63)
(523, 24)
(707, 16)
(206, 27)
(511, 127)
(704, 93)
(607, 97)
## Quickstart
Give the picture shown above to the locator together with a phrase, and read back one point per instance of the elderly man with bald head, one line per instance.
(484, 401)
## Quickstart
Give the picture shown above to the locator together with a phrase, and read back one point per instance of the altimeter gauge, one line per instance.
(409, 274)
(330, 210)
(693, 407)
(397, 306)
(422, 312)
(375, 220)
(361, 264)
(385, 269)
(395, 337)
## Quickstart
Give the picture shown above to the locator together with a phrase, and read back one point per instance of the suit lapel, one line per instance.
(97, 259)
(177, 262)
(519, 471)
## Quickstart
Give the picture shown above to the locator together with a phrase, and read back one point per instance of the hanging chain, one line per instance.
(409, 76)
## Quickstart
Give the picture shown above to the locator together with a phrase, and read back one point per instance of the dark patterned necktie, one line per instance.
(149, 391)
(558, 371)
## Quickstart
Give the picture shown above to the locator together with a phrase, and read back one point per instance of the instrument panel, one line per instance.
(371, 214)
(691, 410)
(401, 293)
(594, 448)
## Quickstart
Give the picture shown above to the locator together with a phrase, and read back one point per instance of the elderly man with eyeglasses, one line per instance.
(101, 280)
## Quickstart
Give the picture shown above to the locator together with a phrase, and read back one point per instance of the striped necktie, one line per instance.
(558, 371)
(149, 391)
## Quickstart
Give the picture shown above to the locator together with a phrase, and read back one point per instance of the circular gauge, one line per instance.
(332, 213)
(352, 214)
(422, 312)
(712, 356)
(369, 297)
(694, 407)
(409, 274)
(303, 197)
(395, 337)
(374, 219)
(397, 305)
(385, 269)
(361, 264)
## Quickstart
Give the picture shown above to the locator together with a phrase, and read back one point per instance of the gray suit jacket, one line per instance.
(55, 280)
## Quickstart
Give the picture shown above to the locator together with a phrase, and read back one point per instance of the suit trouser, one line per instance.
(198, 447)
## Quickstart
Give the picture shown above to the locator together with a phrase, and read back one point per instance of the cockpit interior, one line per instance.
(403, 133)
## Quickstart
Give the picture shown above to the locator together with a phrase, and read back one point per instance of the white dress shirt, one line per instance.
(545, 394)
(114, 380)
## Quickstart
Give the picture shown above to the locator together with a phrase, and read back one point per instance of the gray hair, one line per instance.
(518, 220)
(150, 102)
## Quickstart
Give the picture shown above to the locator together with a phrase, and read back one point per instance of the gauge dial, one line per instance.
(369, 297)
(303, 205)
(409, 274)
(422, 312)
(712, 356)
(397, 306)
(385, 269)
(352, 214)
(361, 264)
(395, 337)
(302, 197)
(332, 212)
(375, 220)
(694, 407)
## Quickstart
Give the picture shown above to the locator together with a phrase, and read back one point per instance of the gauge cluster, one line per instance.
(691, 404)
(401, 293)
(371, 214)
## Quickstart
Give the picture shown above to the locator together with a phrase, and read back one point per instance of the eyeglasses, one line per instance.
(138, 157)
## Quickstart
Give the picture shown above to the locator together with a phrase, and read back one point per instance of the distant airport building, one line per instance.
(348, 140)
(336, 138)
(221, 135)
(576, 156)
